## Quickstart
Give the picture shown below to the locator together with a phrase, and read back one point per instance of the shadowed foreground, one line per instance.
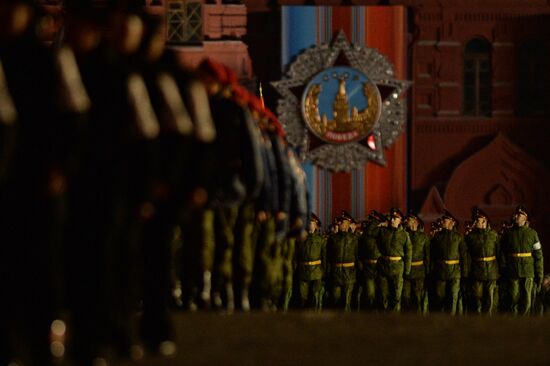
(367, 339)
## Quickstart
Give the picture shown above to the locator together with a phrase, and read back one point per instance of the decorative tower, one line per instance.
(341, 107)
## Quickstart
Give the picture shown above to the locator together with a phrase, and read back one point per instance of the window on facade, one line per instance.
(184, 22)
(532, 98)
(477, 78)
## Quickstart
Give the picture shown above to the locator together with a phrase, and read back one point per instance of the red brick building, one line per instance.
(195, 29)
(198, 29)
(479, 70)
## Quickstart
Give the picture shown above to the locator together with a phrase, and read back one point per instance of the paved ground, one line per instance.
(357, 339)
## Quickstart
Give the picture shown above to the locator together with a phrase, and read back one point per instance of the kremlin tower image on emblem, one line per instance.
(353, 114)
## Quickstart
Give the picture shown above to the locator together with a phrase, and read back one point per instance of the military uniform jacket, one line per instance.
(420, 253)
(269, 193)
(522, 253)
(447, 247)
(368, 250)
(394, 243)
(299, 204)
(313, 249)
(342, 258)
(484, 251)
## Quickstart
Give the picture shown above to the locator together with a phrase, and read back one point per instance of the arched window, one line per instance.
(477, 78)
(532, 98)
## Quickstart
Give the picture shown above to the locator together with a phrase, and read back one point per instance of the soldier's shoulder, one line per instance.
(531, 231)
(456, 235)
(493, 233)
(404, 233)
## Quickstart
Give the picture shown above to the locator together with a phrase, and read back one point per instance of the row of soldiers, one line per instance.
(110, 150)
(389, 262)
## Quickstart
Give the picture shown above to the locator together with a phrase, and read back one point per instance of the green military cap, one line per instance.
(395, 212)
(477, 213)
(411, 215)
(346, 216)
(378, 216)
(315, 219)
(521, 210)
(448, 215)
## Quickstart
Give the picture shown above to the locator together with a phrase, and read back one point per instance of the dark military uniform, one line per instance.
(484, 251)
(449, 263)
(342, 253)
(253, 165)
(523, 262)
(32, 190)
(394, 262)
(298, 217)
(167, 183)
(311, 258)
(414, 292)
(368, 257)
(265, 273)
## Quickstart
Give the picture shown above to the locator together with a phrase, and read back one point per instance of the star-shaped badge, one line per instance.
(341, 105)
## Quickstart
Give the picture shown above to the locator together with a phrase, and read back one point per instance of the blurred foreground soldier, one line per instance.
(243, 259)
(449, 264)
(236, 157)
(484, 250)
(414, 290)
(111, 182)
(311, 257)
(8, 119)
(276, 256)
(394, 262)
(369, 254)
(169, 189)
(32, 185)
(523, 262)
(197, 219)
(342, 257)
(265, 230)
(297, 234)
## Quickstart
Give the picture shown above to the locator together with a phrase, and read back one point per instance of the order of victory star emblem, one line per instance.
(341, 105)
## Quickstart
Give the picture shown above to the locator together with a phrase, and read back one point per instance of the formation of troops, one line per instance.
(388, 262)
(130, 185)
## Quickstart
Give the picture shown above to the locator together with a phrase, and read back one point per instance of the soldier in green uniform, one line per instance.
(368, 257)
(449, 263)
(484, 250)
(311, 258)
(297, 234)
(342, 259)
(394, 262)
(264, 271)
(523, 261)
(414, 290)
